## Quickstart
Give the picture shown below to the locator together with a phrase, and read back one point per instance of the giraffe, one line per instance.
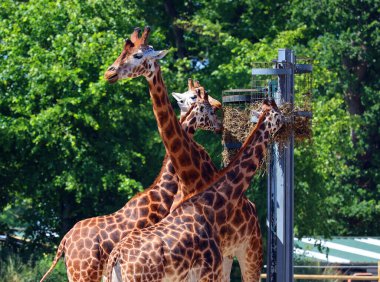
(135, 60)
(189, 243)
(189, 159)
(88, 244)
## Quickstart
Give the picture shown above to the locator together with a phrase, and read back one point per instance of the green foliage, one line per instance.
(14, 269)
(68, 139)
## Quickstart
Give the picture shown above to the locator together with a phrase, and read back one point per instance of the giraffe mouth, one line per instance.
(113, 78)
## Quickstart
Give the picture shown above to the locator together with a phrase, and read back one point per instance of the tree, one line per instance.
(72, 146)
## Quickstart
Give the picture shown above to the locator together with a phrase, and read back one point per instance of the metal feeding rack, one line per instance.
(289, 82)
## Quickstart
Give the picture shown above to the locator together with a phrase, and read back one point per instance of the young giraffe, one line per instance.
(134, 61)
(88, 244)
(186, 244)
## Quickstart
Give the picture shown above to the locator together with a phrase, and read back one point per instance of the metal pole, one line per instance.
(280, 187)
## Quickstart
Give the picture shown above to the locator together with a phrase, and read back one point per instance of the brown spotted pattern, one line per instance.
(88, 244)
(190, 243)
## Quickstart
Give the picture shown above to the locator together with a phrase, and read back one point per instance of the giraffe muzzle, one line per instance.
(111, 76)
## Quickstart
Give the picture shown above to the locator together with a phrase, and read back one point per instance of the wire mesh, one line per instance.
(238, 104)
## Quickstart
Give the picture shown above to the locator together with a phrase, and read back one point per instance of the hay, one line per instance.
(237, 126)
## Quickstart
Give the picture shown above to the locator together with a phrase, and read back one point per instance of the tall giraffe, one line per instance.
(88, 244)
(189, 243)
(189, 159)
(135, 60)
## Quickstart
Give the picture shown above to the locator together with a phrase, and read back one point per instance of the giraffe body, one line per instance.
(194, 237)
(88, 244)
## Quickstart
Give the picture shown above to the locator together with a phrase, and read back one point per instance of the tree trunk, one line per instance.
(178, 32)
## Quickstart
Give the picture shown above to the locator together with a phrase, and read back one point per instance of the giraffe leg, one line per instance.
(227, 266)
(250, 260)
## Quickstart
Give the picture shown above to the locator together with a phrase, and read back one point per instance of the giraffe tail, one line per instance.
(111, 263)
(57, 257)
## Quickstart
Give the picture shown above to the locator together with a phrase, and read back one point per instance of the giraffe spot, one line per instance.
(154, 80)
(143, 201)
(155, 196)
(221, 217)
(195, 156)
(170, 241)
(165, 101)
(104, 234)
(238, 178)
(159, 89)
(171, 168)
(107, 246)
(231, 175)
(266, 134)
(238, 218)
(207, 172)
(187, 219)
(219, 202)
(119, 218)
(84, 232)
(165, 195)
(111, 227)
(224, 231)
(175, 146)
(169, 131)
(199, 185)
(143, 212)
(163, 118)
(88, 243)
(208, 198)
(115, 236)
(184, 159)
(259, 152)
(154, 218)
(177, 128)
(157, 101)
(203, 244)
(167, 176)
(84, 264)
(190, 176)
(141, 224)
(238, 191)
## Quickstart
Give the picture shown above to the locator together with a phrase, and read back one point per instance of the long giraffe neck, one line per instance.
(235, 179)
(190, 161)
(238, 174)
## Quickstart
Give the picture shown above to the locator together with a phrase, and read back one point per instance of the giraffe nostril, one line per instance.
(111, 69)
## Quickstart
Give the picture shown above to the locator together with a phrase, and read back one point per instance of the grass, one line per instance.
(15, 269)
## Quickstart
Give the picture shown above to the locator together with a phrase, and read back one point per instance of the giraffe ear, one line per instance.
(177, 96)
(159, 54)
(255, 116)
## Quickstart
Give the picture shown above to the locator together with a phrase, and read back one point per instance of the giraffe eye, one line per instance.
(137, 56)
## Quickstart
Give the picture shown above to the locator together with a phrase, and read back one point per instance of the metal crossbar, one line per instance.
(323, 277)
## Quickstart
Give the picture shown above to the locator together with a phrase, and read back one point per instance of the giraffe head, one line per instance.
(199, 108)
(274, 119)
(137, 58)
